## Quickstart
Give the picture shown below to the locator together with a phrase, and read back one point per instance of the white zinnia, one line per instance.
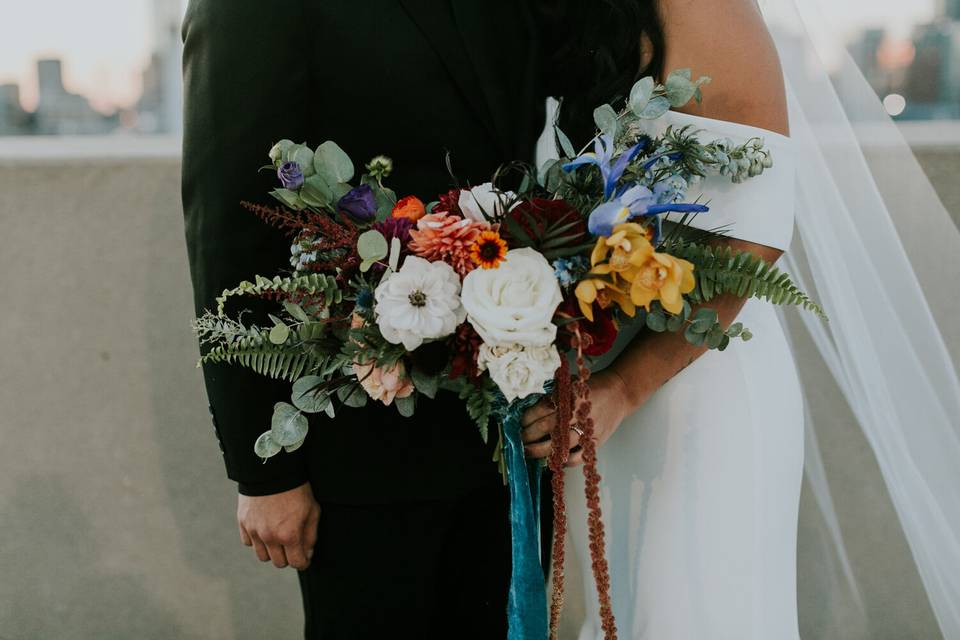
(519, 371)
(514, 303)
(419, 302)
(483, 199)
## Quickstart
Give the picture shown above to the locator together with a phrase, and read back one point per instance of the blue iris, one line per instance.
(602, 157)
(636, 201)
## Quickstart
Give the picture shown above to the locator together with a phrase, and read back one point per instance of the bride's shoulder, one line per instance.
(728, 41)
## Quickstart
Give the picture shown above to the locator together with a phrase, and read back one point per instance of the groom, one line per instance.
(395, 525)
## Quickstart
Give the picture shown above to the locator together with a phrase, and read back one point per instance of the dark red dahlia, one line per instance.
(552, 227)
(598, 336)
(448, 202)
(465, 345)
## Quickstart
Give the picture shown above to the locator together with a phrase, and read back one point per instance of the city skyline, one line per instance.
(105, 64)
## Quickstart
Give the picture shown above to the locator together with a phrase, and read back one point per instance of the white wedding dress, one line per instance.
(701, 486)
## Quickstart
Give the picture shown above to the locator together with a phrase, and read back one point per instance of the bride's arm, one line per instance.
(728, 41)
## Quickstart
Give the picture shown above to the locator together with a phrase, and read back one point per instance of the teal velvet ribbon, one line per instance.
(527, 603)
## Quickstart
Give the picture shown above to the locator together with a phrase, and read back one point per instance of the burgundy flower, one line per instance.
(448, 203)
(542, 220)
(598, 336)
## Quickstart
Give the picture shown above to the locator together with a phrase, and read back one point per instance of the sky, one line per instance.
(106, 43)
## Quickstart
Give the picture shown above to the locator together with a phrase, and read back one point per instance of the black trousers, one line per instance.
(431, 569)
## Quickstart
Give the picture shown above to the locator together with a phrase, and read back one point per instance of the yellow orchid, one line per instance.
(665, 278)
(592, 290)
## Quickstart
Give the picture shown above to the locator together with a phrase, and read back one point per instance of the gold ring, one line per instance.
(578, 430)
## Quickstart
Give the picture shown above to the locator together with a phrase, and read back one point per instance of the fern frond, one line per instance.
(311, 283)
(720, 269)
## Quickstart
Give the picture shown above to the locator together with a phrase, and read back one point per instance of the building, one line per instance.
(60, 112)
(14, 120)
(159, 109)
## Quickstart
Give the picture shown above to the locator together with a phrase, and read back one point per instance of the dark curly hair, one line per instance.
(594, 50)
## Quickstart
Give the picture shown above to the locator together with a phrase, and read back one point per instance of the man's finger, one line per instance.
(277, 555)
(244, 536)
(296, 556)
(259, 548)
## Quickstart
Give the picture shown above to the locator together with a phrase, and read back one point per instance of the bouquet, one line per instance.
(498, 295)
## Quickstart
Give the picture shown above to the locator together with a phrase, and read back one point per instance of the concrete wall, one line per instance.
(116, 520)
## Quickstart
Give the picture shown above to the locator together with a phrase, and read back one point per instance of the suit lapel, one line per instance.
(435, 20)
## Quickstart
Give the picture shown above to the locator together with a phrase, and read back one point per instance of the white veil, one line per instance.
(879, 251)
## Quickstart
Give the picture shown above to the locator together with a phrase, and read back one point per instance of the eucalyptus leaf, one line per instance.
(303, 156)
(746, 335)
(426, 384)
(406, 405)
(266, 446)
(656, 321)
(316, 192)
(735, 329)
(655, 108)
(295, 311)
(565, 145)
(287, 426)
(293, 447)
(542, 175)
(330, 161)
(372, 245)
(679, 90)
(288, 198)
(307, 396)
(674, 323)
(640, 95)
(715, 337)
(606, 119)
(352, 395)
(279, 333)
(704, 320)
(693, 337)
(278, 152)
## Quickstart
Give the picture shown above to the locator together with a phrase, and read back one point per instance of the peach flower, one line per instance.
(384, 383)
(441, 236)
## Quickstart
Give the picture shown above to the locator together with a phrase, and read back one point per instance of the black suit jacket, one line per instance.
(412, 79)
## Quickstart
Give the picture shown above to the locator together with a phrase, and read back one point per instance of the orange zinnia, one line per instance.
(489, 250)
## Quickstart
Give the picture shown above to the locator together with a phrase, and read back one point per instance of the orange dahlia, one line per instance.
(441, 236)
(489, 249)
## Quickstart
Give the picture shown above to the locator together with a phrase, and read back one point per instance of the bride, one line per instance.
(702, 454)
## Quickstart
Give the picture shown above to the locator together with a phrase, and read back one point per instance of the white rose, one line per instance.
(419, 302)
(514, 303)
(519, 371)
(483, 199)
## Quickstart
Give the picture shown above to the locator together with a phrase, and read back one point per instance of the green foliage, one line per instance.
(311, 283)
(720, 269)
(372, 247)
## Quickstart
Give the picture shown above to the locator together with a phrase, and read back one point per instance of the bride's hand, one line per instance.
(608, 407)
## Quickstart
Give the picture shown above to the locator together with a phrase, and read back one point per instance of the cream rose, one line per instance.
(514, 303)
(519, 371)
(483, 199)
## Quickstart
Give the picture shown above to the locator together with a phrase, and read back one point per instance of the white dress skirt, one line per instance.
(701, 486)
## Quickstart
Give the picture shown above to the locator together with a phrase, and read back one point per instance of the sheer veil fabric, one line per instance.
(875, 245)
(880, 251)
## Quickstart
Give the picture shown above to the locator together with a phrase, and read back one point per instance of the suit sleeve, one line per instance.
(245, 87)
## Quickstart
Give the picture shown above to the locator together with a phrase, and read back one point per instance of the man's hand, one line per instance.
(281, 527)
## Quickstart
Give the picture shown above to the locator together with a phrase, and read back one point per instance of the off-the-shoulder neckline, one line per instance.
(713, 123)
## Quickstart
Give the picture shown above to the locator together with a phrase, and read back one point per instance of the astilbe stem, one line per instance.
(601, 572)
(559, 454)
